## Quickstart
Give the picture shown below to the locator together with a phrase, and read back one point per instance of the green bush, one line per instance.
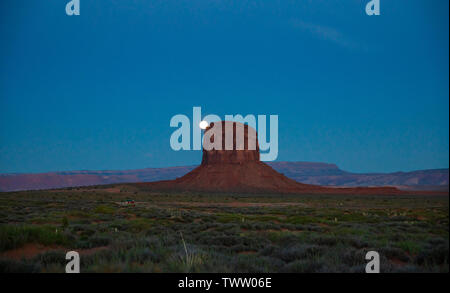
(103, 209)
(14, 236)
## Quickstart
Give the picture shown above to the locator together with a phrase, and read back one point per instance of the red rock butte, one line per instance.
(238, 169)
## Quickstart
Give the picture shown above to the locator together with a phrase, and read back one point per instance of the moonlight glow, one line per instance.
(203, 124)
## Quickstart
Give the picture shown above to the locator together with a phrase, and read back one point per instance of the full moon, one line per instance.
(203, 124)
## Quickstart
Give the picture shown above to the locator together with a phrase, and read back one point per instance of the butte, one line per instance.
(239, 170)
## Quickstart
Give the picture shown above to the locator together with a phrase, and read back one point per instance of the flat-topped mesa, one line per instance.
(236, 143)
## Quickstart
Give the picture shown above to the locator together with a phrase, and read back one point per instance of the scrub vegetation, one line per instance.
(121, 228)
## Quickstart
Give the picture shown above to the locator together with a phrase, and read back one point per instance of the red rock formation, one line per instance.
(238, 150)
(240, 170)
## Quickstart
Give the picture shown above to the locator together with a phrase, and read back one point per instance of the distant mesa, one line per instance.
(239, 170)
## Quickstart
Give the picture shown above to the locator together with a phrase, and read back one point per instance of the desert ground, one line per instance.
(206, 232)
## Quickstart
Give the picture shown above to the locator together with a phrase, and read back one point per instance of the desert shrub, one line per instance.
(325, 240)
(357, 242)
(13, 266)
(361, 268)
(12, 236)
(187, 258)
(102, 256)
(222, 240)
(138, 225)
(437, 241)
(304, 266)
(238, 248)
(353, 257)
(165, 239)
(302, 219)
(255, 242)
(84, 231)
(142, 254)
(65, 223)
(82, 244)
(51, 257)
(269, 250)
(399, 218)
(408, 246)
(99, 240)
(228, 218)
(432, 255)
(311, 227)
(408, 269)
(298, 251)
(104, 209)
(260, 226)
(79, 214)
(106, 267)
(228, 228)
(123, 244)
(394, 253)
(255, 264)
(282, 238)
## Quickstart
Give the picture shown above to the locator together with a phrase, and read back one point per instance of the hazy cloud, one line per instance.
(325, 33)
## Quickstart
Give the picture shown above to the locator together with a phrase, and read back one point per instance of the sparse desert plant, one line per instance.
(190, 258)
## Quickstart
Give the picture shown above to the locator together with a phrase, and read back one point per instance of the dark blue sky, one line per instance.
(97, 91)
